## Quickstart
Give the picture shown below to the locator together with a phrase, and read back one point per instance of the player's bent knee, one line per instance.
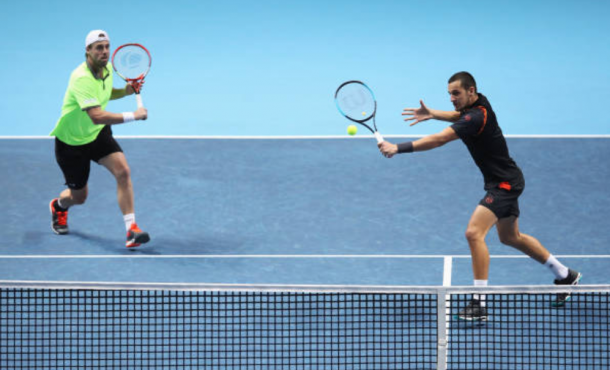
(123, 174)
(79, 197)
(474, 234)
(510, 240)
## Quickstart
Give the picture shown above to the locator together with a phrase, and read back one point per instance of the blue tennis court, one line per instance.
(329, 215)
(301, 211)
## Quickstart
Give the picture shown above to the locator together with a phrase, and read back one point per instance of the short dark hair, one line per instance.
(465, 79)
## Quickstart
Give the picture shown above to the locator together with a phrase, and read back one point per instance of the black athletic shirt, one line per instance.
(479, 130)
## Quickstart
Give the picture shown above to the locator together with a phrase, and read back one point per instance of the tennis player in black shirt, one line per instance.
(474, 122)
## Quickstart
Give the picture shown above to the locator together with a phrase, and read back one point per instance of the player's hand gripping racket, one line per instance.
(132, 63)
(356, 102)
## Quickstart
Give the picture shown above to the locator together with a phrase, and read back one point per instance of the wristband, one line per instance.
(128, 117)
(405, 147)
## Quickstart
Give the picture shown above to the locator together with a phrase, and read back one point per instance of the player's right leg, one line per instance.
(75, 165)
(481, 221)
(59, 208)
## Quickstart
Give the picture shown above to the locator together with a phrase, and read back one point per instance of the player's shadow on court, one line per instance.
(204, 245)
(94, 239)
(164, 245)
(112, 245)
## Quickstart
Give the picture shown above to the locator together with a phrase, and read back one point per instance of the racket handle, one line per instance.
(139, 100)
(378, 137)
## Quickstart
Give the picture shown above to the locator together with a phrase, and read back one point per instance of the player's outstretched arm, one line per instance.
(425, 143)
(417, 115)
(435, 140)
(423, 113)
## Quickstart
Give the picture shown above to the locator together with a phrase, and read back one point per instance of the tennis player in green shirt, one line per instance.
(83, 134)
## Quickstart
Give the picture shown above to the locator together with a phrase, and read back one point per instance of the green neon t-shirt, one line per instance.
(75, 127)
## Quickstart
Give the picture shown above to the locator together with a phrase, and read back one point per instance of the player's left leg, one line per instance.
(116, 163)
(508, 231)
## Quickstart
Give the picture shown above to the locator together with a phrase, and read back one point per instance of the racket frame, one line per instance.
(361, 121)
(137, 80)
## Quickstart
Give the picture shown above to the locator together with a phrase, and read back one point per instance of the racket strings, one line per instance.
(131, 62)
(356, 102)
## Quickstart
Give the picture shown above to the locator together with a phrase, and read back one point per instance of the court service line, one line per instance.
(272, 256)
(447, 270)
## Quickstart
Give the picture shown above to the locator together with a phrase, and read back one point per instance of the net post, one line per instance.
(442, 338)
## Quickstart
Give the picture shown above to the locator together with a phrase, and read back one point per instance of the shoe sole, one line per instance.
(143, 238)
(58, 232)
(140, 239)
(569, 297)
(470, 319)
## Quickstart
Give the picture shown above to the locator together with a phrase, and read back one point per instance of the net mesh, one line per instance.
(77, 329)
(398, 328)
(525, 331)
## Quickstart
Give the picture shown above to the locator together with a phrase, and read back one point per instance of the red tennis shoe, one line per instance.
(136, 237)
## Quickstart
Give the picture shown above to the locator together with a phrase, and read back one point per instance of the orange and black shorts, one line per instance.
(503, 200)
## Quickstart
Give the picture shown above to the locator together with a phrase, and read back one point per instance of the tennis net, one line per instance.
(199, 326)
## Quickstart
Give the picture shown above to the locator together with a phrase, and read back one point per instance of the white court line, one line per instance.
(447, 270)
(444, 344)
(272, 256)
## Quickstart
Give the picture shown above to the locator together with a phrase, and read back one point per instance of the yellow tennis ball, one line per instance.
(364, 113)
(351, 129)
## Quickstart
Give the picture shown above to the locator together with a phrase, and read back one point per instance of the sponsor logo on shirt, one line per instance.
(90, 101)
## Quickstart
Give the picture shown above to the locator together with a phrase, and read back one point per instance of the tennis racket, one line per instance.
(132, 63)
(356, 102)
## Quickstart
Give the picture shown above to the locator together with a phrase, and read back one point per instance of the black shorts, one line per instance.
(75, 161)
(502, 202)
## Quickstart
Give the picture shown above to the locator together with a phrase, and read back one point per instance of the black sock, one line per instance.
(57, 207)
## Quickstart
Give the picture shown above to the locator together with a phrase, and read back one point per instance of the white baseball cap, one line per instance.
(95, 36)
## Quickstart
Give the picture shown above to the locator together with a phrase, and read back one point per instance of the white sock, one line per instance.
(560, 271)
(129, 219)
(480, 297)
